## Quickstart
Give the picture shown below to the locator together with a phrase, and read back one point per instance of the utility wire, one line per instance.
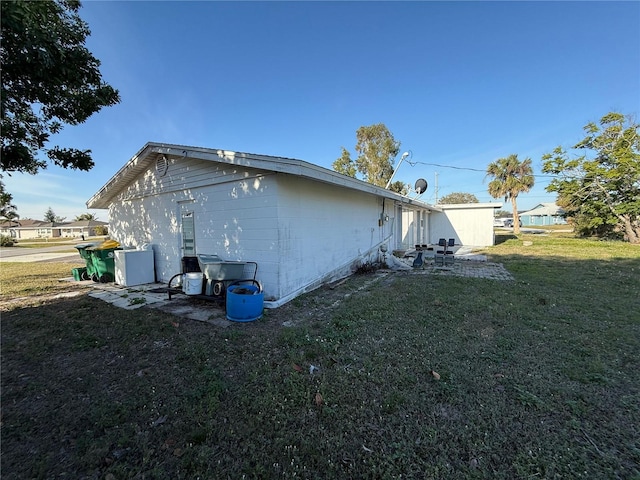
(414, 163)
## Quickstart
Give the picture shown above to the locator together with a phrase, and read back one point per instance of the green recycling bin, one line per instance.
(88, 260)
(79, 273)
(103, 263)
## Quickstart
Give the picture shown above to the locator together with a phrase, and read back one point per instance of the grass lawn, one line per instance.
(416, 376)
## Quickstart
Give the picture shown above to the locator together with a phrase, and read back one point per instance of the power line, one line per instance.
(414, 163)
(447, 166)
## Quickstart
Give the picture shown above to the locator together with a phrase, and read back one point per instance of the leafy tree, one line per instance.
(376, 149)
(51, 217)
(345, 165)
(459, 197)
(8, 211)
(600, 189)
(510, 178)
(399, 187)
(86, 216)
(49, 78)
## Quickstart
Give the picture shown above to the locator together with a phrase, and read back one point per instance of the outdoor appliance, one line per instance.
(134, 267)
(215, 277)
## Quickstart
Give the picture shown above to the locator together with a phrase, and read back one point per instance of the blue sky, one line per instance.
(459, 84)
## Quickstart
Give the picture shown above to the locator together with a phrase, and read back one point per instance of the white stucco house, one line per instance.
(303, 224)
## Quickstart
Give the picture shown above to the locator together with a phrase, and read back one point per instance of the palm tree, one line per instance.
(510, 178)
(9, 216)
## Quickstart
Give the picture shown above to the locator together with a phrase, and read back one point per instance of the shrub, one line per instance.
(366, 268)
(7, 241)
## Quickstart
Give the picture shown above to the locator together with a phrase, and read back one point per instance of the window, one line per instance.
(188, 234)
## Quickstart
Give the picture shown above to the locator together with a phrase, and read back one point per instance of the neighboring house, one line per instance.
(543, 214)
(7, 227)
(303, 224)
(30, 229)
(86, 228)
(39, 230)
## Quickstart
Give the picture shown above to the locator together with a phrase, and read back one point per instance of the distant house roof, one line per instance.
(154, 152)
(545, 209)
(9, 224)
(29, 224)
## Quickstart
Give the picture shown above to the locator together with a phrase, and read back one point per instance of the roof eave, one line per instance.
(467, 206)
(140, 162)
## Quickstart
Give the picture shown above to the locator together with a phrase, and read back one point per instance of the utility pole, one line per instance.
(436, 188)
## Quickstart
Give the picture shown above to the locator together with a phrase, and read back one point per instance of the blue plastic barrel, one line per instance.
(244, 303)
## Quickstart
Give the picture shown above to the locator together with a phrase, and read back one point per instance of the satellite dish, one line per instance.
(421, 186)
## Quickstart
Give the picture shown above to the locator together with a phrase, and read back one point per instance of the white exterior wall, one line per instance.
(470, 224)
(234, 215)
(300, 232)
(31, 233)
(415, 228)
(43, 232)
(326, 231)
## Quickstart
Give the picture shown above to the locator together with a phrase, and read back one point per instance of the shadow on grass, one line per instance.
(538, 377)
(502, 238)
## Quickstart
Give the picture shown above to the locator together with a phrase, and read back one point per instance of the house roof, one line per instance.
(27, 222)
(469, 206)
(30, 224)
(545, 209)
(151, 152)
(8, 223)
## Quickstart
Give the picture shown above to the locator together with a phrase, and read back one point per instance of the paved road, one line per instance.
(59, 253)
